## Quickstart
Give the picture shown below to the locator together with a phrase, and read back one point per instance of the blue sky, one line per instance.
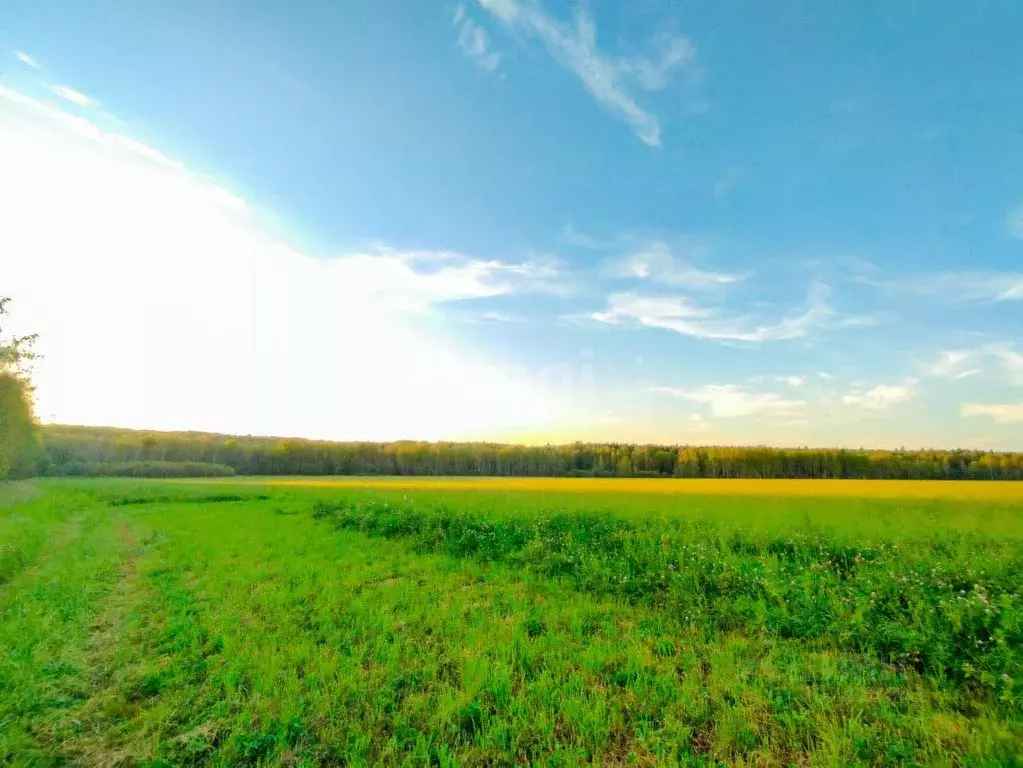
(798, 223)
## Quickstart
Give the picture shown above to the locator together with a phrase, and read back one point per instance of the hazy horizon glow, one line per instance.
(186, 315)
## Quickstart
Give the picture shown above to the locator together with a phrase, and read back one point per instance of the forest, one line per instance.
(98, 451)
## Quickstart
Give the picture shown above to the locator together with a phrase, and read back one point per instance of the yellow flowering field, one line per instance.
(879, 489)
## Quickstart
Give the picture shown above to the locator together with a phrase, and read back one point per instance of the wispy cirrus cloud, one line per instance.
(965, 363)
(675, 313)
(417, 281)
(607, 78)
(1012, 363)
(503, 317)
(976, 286)
(729, 401)
(26, 59)
(682, 315)
(954, 364)
(959, 287)
(656, 263)
(474, 41)
(882, 396)
(654, 70)
(68, 93)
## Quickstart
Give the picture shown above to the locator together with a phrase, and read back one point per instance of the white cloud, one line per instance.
(967, 374)
(670, 53)
(503, 317)
(75, 97)
(161, 301)
(506, 10)
(961, 287)
(882, 396)
(1004, 413)
(952, 365)
(1014, 222)
(474, 41)
(656, 262)
(964, 363)
(416, 281)
(671, 312)
(604, 76)
(955, 364)
(681, 315)
(26, 59)
(728, 401)
(792, 381)
(1011, 362)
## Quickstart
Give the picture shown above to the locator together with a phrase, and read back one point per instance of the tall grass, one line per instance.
(947, 605)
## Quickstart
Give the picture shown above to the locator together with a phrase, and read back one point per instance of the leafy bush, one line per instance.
(19, 447)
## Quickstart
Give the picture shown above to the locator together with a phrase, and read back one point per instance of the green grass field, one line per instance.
(496, 623)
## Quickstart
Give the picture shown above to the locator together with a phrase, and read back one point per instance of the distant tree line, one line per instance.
(86, 451)
(146, 469)
(19, 447)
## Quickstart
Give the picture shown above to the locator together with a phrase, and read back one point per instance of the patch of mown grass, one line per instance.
(245, 634)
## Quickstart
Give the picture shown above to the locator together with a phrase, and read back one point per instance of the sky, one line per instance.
(796, 223)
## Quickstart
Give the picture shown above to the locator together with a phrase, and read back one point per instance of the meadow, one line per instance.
(410, 621)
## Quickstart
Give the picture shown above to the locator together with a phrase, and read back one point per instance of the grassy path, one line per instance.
(46, 614)
(84, 728)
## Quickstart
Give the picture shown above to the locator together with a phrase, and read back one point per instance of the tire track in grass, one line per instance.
(46, 611)
(150, 651)
(103, 649)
